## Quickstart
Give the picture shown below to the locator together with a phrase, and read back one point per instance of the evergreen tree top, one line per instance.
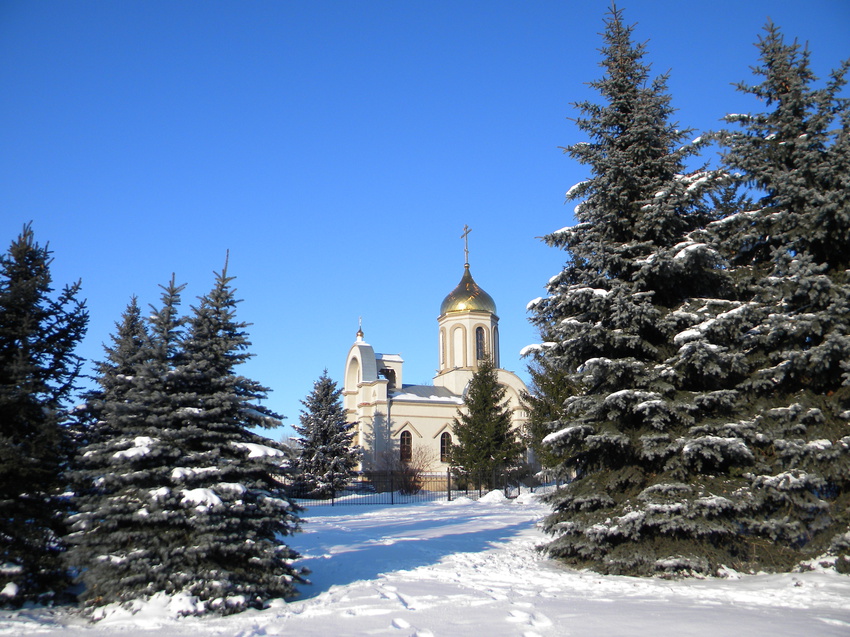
(215, 319)
(215, 344)
(322, 408)
(130, 343)
(38, 332)
(794, 155)
(166, 323)
(634, 150)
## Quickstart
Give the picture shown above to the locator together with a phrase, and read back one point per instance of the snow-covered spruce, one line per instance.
(175, 494)
(789, 255)
(327, 456)
(711, 428)
(630, 319)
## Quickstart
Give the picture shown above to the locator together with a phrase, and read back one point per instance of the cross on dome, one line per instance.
(465, 237)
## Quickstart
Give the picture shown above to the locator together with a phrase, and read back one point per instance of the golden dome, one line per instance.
(468, 297)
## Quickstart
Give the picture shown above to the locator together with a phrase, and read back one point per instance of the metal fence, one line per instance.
(401, 487)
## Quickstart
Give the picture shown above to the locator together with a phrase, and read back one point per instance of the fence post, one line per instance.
(449, 485)
(392, 487)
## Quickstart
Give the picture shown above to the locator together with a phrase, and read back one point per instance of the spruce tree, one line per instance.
(126, 524)
(38, 368)
(485, 445)
(328, 457)
(229, 478)
(199, 492)
(790, 254)
(639, 271)
(116, 377)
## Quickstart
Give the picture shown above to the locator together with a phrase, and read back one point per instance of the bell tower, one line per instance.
(468, 328)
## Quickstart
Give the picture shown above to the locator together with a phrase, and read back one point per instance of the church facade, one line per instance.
(413, 423)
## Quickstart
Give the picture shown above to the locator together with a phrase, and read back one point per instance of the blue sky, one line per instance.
(336, 149)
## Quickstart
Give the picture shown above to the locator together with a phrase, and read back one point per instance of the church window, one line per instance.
(458, 353)
(389, 374)
(406, 446)
(443, 363)
(445, 447)
(480, 344)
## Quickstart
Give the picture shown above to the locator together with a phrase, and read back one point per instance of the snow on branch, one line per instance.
(258, 451)
(573, 189)
(202, 498)
(182, 473)
(141, 447)
(566, 432)
(717, 449)
(535, 348)
(533, 303)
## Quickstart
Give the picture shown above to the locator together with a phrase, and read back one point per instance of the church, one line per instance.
(413, 423)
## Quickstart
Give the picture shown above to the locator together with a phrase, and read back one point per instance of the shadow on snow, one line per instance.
(341, 549)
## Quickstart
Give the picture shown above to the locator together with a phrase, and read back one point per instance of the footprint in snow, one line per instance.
(400, 623)
(518, 617)
(540, 621)
(521, 617)
(389, 592)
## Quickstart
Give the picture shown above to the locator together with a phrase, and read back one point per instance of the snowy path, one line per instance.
(470, 568)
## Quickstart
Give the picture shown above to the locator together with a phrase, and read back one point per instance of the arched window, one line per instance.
(443, 361)
(458, 353)
(445, 447)
(406, 446)
(480, 344)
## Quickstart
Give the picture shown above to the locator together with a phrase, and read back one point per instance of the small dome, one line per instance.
(468, 297)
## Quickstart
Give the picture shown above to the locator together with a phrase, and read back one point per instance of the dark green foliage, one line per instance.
(123, 528)
(639, 273)
(711, 425)
(791, 253)
(229, 476)
(175, 494)
(484, 442)
(795, 155)
(117, 402)
(38, 368)
(327, 457)
(549, 390)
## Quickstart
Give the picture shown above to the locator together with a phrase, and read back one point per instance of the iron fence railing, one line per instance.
(404, 487)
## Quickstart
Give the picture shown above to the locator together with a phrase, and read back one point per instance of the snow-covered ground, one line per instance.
(470, 568)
